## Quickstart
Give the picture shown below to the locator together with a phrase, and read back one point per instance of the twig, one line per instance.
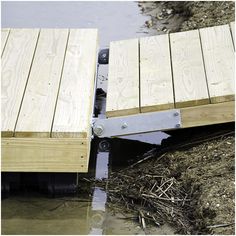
(142, 220)
(164, 192)
(219, 225)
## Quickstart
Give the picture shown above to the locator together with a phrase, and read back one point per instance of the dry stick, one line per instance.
(159, 188)
(158, 224)
(184, 200)
(220, 225)
(164, 192)
(162, 198)
(171, 179)
(88, 180)
(146, 157)
(153, 186)
(142, 220)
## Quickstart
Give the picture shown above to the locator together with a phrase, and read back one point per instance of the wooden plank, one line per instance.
(16, 63)
(190, 86)
(232, 27)
(44, 155)
(74, 106)
(123, 78)
(156, 89)
(218, 52)
(36, 115)
(4, 36)
(208, 114)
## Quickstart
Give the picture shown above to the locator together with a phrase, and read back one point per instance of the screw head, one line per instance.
(177, 125)
(176, 113)
(98, 130)
(124, 125)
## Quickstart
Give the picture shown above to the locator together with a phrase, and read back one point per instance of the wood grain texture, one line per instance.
(190, 86)
(218, 52)
(208, 114)
(4, 36)
(156, 88)
(123, 78)
(232, 27)
(44, 155)
(74, 105)
(16, 63)
(36, 115)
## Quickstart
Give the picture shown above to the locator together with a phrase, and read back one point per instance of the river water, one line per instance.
(30, 211)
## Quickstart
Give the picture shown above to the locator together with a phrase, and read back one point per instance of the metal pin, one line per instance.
(124, 126)
(98, 130)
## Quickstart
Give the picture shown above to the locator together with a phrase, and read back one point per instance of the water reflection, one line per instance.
(99, 199)
(98, 214)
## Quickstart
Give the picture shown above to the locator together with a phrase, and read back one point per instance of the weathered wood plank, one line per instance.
(44, 155)
(208, 114)
(74, 105)
(232, 27)
(156, 88)
(190, 86)
(16, 63)
(36, 115)
(123, 78)
(4, 36)
(218, 52)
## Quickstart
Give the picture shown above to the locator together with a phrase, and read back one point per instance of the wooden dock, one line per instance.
(193, 71)
(48, 80)
(47, 97)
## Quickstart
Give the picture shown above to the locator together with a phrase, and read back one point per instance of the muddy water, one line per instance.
(31, 212)
(38, 215)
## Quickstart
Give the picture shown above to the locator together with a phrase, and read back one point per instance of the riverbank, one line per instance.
(189, 183)
(187, 15)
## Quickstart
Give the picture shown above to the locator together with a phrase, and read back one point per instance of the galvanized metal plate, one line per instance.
(140, 123)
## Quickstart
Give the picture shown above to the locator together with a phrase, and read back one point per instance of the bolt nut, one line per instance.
(177, 125)
(98, 130)
(176, 113)
(124, 125)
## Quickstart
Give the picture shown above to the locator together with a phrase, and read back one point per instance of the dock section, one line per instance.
(193, 71)
(48, 78)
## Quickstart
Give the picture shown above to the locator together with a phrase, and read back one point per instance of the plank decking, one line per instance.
(47, 96)
(192, 71)
(48, 88)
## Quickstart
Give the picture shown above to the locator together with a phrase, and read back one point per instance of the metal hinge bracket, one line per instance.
(134, 124)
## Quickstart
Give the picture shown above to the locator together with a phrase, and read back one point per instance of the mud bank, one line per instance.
(189, 183)
(181, 16)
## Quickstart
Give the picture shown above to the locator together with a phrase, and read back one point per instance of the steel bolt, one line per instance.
(98, 130)
(124, 126)
(177, 125)
(176, 114)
